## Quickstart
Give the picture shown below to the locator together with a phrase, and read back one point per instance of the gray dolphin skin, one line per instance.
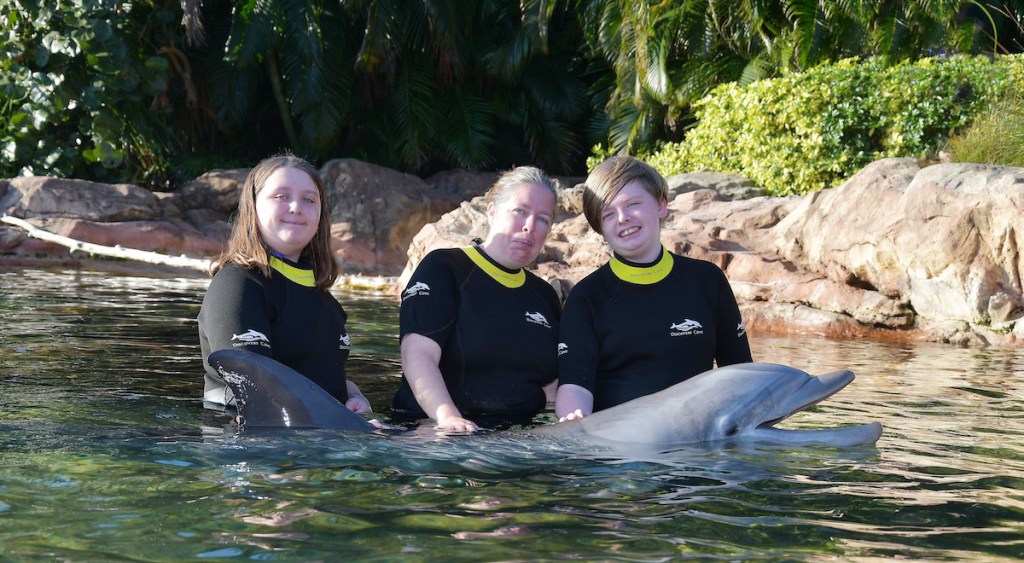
(740, 401)
(735, 402)
(269, 394)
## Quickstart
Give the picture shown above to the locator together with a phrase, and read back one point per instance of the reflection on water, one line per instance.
(104, 454)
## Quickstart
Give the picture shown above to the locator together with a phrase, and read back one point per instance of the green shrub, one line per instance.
(808, 131)
(80, 83)
(997, 135)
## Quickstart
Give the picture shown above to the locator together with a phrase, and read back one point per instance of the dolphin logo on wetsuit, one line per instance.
(686, 326)
(251, 336)
(537, 318)
(418, 288)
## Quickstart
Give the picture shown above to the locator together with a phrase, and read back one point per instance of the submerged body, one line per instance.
(735, 402)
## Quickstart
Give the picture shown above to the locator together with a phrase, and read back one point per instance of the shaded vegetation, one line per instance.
(155, 92)
(83, 90)
(412, 85)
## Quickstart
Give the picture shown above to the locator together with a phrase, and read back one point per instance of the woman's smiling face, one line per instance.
(288, 211)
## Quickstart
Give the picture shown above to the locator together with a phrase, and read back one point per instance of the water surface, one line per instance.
(106, 454)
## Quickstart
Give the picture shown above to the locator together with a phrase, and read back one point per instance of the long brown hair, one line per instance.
(246, 247)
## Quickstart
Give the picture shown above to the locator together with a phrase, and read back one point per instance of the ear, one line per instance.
(490, 212)
(663, 209)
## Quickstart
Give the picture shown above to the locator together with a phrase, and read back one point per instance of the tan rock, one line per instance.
(944, 239)
(376, 211)
(217, 189)
(56, 197)
(167, 237)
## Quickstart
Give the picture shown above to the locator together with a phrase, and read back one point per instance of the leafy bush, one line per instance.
(808, 131)
(77, 84)
(997, 135)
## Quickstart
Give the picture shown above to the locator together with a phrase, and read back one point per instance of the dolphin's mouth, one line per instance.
(812, 392)
(773, 422)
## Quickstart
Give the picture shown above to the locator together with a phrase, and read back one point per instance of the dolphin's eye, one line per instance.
(732, 431)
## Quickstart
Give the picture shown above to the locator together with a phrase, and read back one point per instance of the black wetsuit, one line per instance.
(621, 340)
(498, 343)
(284, 317)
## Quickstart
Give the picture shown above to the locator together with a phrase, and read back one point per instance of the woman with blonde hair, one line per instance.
(478, 331)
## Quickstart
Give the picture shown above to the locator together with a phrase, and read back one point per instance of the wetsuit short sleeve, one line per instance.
(732, 345)
(578, 345)
(430, 299)
(236, 311)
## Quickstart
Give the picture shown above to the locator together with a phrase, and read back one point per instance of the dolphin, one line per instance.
(741, 401)
(738, 402)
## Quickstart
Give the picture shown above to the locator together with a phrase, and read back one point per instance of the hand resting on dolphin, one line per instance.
(741, 401)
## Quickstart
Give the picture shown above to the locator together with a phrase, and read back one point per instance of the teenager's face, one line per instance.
(519, 226)
(631, 223)
(288, 211)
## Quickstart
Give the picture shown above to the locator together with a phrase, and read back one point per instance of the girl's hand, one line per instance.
(574, 415)
(358, 404)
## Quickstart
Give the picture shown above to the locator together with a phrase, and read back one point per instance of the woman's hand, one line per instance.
(420, 359)
(573, 402)
(456, 424)
(574, 415)
(358, 404)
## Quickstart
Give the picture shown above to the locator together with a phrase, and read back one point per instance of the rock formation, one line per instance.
(898, 251)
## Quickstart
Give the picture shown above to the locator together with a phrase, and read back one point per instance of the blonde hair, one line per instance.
(247, 248)
(610, 176)
(506, 185)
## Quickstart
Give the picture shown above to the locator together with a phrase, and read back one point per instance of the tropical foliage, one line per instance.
(81, 89)
(157, 91)
(997, 135)
(113, 90)
(808, 131)
(413, 85)
(667, 54)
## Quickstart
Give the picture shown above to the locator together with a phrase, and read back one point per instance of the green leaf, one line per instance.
(41, 56)
(102, 30)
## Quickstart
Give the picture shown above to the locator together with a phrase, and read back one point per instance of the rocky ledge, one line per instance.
(897, 252)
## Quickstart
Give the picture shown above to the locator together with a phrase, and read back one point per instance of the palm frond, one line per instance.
(468, 130)
(414, 101)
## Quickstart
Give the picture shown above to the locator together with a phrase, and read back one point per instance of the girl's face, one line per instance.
(631, 223)
(288, 211)
(519, 225)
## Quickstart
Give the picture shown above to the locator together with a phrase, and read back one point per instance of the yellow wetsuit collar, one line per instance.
(643, 275)
(501, 275)
(301, 276)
